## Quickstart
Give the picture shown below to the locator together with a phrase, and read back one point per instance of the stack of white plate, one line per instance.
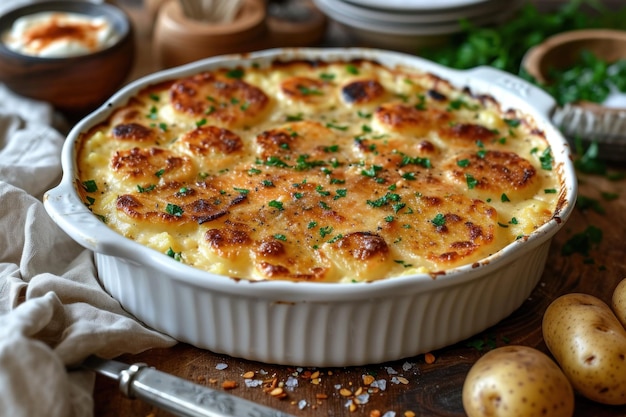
(409, 24)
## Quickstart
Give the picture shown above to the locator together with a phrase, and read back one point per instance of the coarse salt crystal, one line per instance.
(291, 382)
(391, 371)
(363, 398)
(381, 384)
(221, 366)
(253, 383)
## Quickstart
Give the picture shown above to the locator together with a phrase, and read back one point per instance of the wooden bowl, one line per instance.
(179, 39)
(563, 50)
(74, 85)
(584, 120)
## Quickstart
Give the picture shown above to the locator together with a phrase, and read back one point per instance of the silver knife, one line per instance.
(176, 395)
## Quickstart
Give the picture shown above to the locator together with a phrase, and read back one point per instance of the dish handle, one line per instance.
(77, 221)
(523, 90)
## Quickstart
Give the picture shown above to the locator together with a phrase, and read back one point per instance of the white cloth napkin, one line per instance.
(53, 312)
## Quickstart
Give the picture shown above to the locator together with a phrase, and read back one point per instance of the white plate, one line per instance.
(431, 18)
(406, 29)
(415, 5)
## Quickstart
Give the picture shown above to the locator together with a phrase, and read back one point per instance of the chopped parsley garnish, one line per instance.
(176, 255)
(279, 236)
(550, 191)
(409, 160)
(311, 225)
(325, 231)
(276, 204)
(351, 69)
(341, 192)
(609, 196)
(201, 122)
(403, 263)
(254, 171)
(90, 186)
(384, 200)
(512, 122)
(583, 242)
(439, 220)
(327, 76)
(153, 115)
(267, 183)
(336, 126)
(324, 205)
(421, 104)
(303, 163)
(463, 163)
(295, 117)
(174, 210)
(160, 173)
(504, 198)
(372, 171)
(336, 238)
(546, 159)
(235, 73)
(304, 90)
(471, 181)
(274, 161)
(320, 190)
(586, 203)
(243, 191)
(145, 189)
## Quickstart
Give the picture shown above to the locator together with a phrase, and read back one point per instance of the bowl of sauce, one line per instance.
(72, 54)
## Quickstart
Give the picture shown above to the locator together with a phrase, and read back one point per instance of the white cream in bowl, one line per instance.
(59, 34)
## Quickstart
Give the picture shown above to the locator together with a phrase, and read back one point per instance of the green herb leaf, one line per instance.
(174, 210)
(90, 186)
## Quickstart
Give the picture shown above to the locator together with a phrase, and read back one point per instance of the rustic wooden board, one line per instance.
(426, 389)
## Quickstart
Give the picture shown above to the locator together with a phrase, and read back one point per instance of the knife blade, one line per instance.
(176, 395)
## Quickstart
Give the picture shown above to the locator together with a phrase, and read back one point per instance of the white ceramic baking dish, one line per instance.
(319, 324)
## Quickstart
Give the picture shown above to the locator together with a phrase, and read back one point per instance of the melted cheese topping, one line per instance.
(318, 171)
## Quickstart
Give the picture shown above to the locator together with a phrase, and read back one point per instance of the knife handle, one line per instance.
(184, 398)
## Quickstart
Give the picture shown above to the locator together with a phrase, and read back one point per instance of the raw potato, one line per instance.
(618, 302)
(517, 381)
(589, 343)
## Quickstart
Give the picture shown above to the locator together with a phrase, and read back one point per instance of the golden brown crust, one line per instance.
(318, 171)
(496, 172)
(215, 96)
(362, 91)
(211, 139)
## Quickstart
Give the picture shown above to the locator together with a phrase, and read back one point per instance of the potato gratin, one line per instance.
(318, 171)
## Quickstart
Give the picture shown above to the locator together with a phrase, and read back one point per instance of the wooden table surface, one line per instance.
(415, 386)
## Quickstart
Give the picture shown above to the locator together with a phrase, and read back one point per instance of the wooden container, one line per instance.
(179, 39)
